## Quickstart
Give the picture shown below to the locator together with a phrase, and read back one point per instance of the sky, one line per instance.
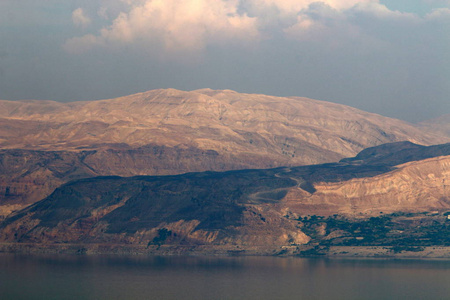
(390, 57)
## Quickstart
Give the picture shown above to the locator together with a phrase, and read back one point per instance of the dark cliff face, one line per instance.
(194, 208)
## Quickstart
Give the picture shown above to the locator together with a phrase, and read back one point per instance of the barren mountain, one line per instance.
(241, 209)
(47, 143)
(290, 130)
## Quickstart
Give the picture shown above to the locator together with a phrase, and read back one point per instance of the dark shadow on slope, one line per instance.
(216, 199)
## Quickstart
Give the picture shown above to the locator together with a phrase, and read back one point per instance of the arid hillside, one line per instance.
(419, 186)
(45, 143)
(290, 130)
(242, 209)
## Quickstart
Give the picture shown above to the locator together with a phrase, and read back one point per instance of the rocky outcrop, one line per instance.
(412, 187)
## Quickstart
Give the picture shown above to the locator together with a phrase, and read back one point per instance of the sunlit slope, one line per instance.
(287, 130)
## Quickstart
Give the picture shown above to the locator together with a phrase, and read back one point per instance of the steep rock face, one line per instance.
(413, 187)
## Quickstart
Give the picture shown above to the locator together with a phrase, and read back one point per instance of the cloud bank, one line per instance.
(191, 25)
(176, 25)
(187, 26)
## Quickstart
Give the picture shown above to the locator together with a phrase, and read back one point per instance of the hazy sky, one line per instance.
(390, 57)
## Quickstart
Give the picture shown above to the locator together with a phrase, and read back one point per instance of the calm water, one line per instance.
(109, 277)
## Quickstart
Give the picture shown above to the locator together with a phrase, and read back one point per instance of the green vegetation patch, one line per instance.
(401, 231)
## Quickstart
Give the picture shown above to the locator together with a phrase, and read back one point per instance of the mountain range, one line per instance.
(206, 168)
(239, 210)
(44, 144)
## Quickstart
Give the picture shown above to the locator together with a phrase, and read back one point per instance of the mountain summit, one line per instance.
(288, 130)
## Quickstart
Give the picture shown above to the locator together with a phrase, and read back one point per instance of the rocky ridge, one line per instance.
(45, 143)
(224, 121)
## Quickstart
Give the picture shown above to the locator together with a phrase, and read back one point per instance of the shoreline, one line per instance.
(429, 252)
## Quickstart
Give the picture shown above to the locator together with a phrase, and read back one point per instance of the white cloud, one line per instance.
(187, 25)
(284, 13)
(380, 12)
(294, 6)
(80, 19)
(366, 24)
(190, 25)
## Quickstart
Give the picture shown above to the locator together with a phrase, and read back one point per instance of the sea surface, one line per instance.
(143, 277)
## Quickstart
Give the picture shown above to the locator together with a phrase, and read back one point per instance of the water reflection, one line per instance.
(141, 277)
